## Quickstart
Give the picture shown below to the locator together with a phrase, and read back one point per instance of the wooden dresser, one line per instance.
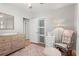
(11, 43)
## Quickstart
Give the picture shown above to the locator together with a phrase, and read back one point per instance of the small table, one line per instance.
(50, 51)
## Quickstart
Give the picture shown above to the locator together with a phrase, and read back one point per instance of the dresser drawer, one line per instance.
(5, 45)
(5, 52)
(5, 39)
(9, 44)
(5, 48)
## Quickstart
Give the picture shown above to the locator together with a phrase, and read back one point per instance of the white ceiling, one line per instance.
(38, 8)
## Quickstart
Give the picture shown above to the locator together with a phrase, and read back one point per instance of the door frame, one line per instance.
(24, 27)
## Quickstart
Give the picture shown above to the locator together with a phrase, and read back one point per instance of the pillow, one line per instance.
(67, 35)
(66, 39)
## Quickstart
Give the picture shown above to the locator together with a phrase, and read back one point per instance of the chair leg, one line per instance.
(69, 52)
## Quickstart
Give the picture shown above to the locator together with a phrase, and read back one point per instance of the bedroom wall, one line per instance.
(18, 17)
(33, 30)
(63, 16)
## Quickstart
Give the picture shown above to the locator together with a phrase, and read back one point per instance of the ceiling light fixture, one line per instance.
(41, 3)
(29, 5)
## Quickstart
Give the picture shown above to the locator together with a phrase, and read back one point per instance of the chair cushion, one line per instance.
(61, 45)
(66, 38)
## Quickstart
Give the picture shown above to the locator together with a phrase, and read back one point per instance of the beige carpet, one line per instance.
(31, 50)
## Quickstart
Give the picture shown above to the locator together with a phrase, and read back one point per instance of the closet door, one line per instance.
(41, 31)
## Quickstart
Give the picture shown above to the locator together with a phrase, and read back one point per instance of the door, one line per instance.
(26, 27)
(41, 31)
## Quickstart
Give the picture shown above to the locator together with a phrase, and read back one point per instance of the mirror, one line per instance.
(6, 21)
